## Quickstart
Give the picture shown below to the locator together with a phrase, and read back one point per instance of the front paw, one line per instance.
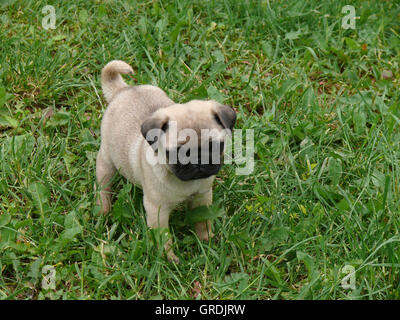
(205, 236)
(203, 230)
(172, 257)
(104, 203)
(170, 253)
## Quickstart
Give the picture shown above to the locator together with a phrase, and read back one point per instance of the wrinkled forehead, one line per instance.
(195, 126)
(194, 114)
(192, 136)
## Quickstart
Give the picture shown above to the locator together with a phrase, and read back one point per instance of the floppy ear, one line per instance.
(225, 116)
(153, 128)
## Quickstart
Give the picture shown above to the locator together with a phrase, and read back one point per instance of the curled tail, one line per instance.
(111, 80)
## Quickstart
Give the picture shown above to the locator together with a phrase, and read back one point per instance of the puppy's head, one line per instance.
(190, 137)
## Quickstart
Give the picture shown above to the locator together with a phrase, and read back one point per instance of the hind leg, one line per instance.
(105, 171)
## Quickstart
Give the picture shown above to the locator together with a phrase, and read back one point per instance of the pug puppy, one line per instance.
(159, 145)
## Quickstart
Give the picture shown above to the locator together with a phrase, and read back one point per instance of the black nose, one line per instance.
(209, 153)
(206, 164)
(195, 171)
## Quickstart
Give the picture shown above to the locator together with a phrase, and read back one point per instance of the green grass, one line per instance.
(323, 102)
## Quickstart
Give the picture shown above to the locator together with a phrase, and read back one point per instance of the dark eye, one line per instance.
(164, 126)
(187, 152)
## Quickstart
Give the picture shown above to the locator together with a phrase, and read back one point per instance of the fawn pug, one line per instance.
(145, 135)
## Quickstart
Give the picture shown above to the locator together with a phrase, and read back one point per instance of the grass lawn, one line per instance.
(324, 104)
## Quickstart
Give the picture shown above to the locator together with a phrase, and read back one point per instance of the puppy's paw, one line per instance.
(172, 257)
(104, 203)
(203, 230)
(205, 236)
